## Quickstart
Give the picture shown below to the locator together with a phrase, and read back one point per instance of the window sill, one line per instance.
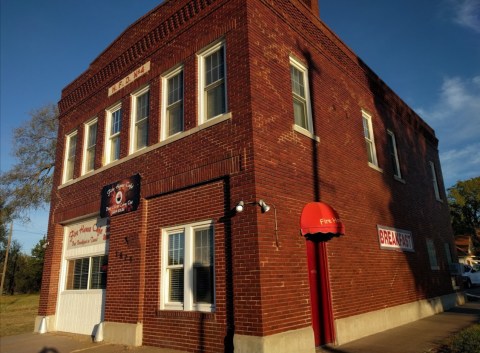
(439, 200)
(399, 179)
(214, 121)
(376, 167)
(305, 132)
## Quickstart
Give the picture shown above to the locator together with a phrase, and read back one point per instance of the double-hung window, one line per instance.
(301, 96)
(212, 82)
(436, 188)
(139, 125)
(369, 139)
(432, 254)
(113, 127)
(89, 146)
(392, 149)
(172, 111)
(188, 267)
(87, 273)
(70, 152)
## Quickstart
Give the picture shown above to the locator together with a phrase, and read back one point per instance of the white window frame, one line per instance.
(165, 106)
(395, 155)
(108, 135)
(71, 261)
(371, 139)
(188, 304)
(202, 106)
(436, 187)
(432, 254)
(298, 65)
(67, 157)
(86, 136)
(133, 118)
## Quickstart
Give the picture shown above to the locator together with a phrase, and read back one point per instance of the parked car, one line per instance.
(470, 276)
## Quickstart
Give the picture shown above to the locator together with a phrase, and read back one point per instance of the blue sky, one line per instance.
(428, 52)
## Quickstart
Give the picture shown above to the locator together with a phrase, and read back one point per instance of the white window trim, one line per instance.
(86, 130)
(301, 67)
(65, 158)
(165, 77)
(367, 116)
(133, 114)
(436, 186)
(108, 122)
(188, 304)
(395, 152)
(201, 79)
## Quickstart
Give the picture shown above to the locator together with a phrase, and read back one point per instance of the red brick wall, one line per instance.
(292, 169)
(261, 289)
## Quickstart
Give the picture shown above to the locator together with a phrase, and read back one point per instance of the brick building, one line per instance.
(230, 174)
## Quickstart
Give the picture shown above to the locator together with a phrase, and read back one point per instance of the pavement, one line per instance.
(421, 336)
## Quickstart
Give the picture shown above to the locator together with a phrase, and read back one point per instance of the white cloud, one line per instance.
(467, 13)
(455, 116)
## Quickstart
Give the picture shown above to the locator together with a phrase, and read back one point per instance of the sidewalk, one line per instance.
(417, 337)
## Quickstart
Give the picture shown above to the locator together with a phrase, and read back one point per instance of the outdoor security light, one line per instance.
(264, 206)
(239, 207)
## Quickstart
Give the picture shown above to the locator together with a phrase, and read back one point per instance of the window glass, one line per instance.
(176, 248)
(87, 273)
(188, 268)
(392, 148)
(141, 120)
(215, 85)
(300, 95)
(113, 148)
(174, 108)
(436, 188)
(203, 267)
(432, 254)
(70, 160)
(90, 147)
(213, 95)
(98, 278)
(369, 139)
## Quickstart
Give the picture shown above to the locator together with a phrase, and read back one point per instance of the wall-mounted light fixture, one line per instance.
(265, 208)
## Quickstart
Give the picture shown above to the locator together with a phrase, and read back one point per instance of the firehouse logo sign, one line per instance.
(142, 70)
(120, 197)
(395, 239)
(91, 232)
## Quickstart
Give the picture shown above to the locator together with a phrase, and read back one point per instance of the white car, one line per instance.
(471, 276)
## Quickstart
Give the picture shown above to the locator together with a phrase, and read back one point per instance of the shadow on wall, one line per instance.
(413, 203)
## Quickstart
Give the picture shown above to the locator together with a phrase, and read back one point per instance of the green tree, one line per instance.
(28, 183)
(464, 202)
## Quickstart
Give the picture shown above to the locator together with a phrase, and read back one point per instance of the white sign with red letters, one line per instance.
(395, 239)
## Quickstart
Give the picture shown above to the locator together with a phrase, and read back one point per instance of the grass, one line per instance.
(465, 341)
(17, 313)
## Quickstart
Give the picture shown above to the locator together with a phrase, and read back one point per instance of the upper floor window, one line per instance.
(89, 146)
(392, 149)
(188, 267)
(113, 127)
(172, 107)
(369, 139)
(139, 125)
(70, 152)
(436, 188)
(301, 96)
(432, 254)
(212, 82)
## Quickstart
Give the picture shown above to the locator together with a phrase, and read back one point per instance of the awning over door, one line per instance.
(319, 217)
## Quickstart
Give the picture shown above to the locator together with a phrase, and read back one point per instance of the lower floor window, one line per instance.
(188, 267)
(87, 273)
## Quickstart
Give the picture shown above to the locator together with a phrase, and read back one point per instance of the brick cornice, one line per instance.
(100, 74)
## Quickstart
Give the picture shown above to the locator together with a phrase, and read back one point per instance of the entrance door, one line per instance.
(322, 316)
